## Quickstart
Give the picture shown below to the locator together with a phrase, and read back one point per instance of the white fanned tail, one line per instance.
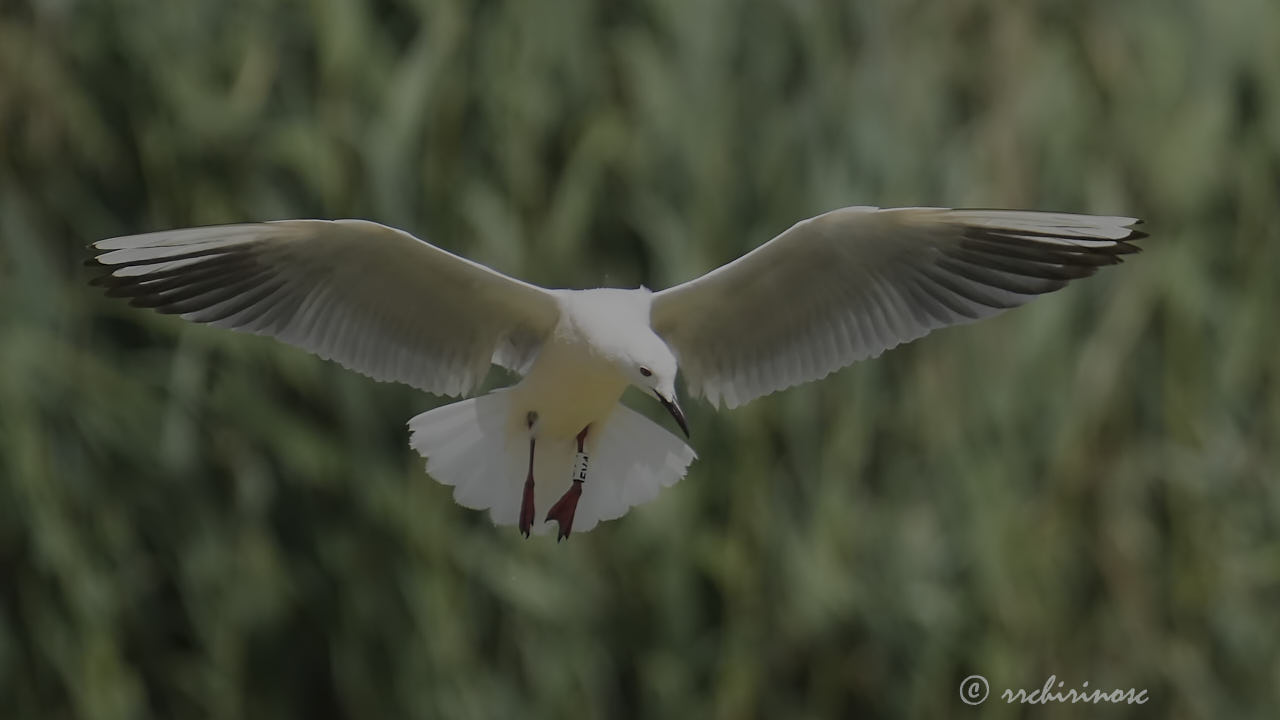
(477, 447)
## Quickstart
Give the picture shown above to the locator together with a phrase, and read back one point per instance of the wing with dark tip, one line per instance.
(852, 283)
(373, 298)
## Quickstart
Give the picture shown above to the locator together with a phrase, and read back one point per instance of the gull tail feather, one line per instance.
(630, 460)
(481, 449)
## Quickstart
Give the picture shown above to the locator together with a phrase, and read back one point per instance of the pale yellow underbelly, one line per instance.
(568, 389)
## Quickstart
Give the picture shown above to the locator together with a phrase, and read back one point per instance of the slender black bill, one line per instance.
(675, 411)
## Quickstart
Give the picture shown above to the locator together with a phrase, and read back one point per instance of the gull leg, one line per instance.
(526, 501)
(562, 512)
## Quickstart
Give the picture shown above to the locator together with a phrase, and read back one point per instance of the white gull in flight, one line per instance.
(830, 291)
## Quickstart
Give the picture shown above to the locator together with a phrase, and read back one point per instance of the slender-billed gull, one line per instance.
(831, 290)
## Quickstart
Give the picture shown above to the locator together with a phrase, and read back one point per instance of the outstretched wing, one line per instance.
(373, 298)
(852, 283)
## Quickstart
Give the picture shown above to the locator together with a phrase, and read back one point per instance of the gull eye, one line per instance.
(646, 371)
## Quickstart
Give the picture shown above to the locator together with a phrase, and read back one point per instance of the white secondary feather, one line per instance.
(831, 290)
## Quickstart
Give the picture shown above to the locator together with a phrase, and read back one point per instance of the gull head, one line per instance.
(645, 360)
(651, 366)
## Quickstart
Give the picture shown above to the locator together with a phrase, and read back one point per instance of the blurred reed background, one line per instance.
(199, 524)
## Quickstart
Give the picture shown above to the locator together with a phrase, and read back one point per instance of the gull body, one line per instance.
(592, 355)
(830, 291)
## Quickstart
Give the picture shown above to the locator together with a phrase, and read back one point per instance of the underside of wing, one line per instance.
(375, 299)
(850, 284)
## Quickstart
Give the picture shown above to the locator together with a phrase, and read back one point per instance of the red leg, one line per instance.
(526, 501)
(564, 509)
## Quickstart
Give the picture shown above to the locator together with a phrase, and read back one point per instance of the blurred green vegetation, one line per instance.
(199, 524)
